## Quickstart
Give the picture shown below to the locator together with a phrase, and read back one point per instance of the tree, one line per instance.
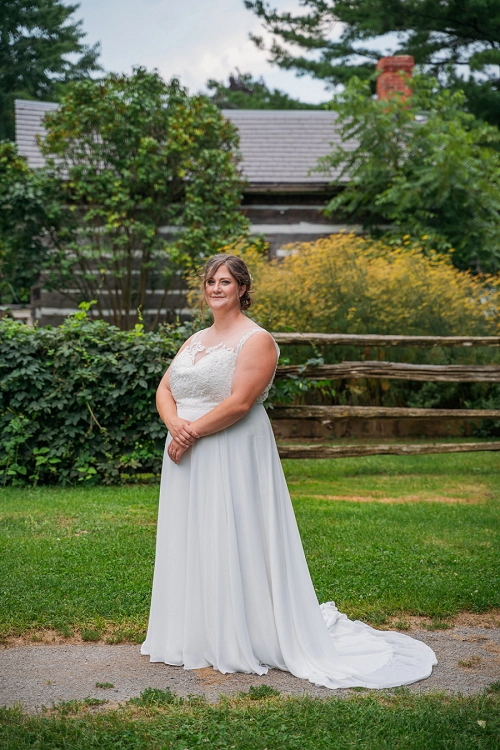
(41, 50)
(443, 37)
(243, 92)
(422, 164)
(132, 154)
(28, 213)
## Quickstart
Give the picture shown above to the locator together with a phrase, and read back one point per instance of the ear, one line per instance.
(243, 289)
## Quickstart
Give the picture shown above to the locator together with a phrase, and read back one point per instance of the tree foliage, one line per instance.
(444, 37)
(27, 216)
(424, 165)
(132, 154)
(41, 49)
(243, 92)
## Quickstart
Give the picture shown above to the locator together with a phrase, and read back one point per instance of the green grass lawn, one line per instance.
(82, 558)
(158, 721)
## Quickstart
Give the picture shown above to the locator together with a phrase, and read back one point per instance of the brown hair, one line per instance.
(238, 270)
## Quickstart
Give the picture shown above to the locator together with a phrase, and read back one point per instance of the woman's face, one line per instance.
(222, 291)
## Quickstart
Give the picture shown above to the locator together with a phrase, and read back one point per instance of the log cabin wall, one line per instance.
(284, 198)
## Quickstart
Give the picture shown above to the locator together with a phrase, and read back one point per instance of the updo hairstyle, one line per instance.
(238, 270)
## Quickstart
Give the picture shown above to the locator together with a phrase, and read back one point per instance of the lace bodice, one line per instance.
(209, 380)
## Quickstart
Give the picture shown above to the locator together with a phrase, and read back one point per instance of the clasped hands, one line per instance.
(183, 437)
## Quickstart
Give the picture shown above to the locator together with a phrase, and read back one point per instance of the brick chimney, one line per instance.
(392, 78)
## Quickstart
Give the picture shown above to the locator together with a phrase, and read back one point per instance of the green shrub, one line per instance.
(77, 402)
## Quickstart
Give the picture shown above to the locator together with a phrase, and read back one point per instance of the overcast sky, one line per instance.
(193, 39)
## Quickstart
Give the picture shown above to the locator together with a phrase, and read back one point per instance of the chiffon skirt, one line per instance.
(231, 585)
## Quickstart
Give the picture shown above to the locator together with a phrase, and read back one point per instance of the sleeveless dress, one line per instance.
(231, 585)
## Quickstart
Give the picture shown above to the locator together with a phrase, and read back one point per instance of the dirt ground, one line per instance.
(42, 673)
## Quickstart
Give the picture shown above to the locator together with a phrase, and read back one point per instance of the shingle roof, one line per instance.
(277, 146)
(282, 146)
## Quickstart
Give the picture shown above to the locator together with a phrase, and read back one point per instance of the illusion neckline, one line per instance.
(196, 346)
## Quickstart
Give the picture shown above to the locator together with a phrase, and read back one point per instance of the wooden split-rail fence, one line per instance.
(386, 370)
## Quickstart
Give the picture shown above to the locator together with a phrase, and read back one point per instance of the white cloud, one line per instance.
(195, 39)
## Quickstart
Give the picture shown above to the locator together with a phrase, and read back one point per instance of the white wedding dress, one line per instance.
(231, 584)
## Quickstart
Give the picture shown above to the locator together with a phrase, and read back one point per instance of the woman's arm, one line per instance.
(254, 369)
(180, 429)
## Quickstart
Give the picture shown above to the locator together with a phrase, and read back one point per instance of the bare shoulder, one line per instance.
(260, 344)
(263, 337)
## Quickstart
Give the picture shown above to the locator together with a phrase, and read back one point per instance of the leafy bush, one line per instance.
(77, 402)
(349, 284)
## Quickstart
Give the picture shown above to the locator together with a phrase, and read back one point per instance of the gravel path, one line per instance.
(39, 675)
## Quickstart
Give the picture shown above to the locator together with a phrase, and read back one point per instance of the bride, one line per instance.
(231, 585)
